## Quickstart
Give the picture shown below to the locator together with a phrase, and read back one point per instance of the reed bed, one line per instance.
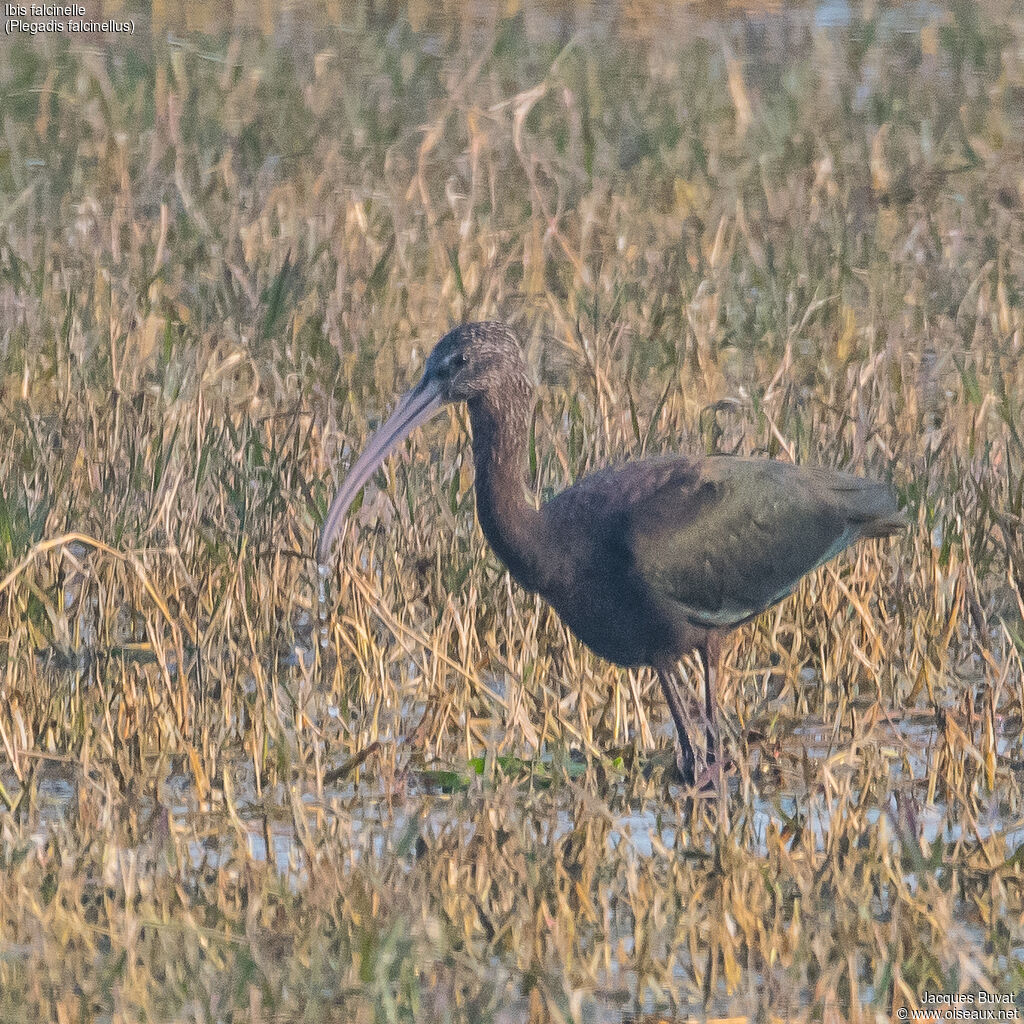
(223, 254)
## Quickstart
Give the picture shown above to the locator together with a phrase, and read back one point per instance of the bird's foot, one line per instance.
(714, 774)
(704, 779)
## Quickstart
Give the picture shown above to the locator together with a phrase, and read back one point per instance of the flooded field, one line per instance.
(233, 790)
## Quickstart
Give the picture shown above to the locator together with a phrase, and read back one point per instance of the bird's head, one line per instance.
(472, 361)
(467, 364)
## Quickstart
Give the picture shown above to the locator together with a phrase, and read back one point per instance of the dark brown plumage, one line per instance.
(645, 562)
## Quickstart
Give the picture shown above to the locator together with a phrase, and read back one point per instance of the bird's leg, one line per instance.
(709, 651)
(685, 760)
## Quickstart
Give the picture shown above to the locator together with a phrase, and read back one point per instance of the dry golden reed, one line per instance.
(223, 253)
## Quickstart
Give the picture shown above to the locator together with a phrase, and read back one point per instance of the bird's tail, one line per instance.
(872, 506)
(886, 526)
(869, 505)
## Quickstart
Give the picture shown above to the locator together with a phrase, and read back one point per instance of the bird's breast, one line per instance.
(617, 619)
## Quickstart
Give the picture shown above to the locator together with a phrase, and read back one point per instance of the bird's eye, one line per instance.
(452, 363)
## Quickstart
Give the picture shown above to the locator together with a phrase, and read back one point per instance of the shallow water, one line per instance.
(229, 873)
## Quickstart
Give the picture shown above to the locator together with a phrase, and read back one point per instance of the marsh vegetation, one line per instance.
(224, 249)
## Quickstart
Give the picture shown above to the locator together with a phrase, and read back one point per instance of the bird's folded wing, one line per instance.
(731, 539)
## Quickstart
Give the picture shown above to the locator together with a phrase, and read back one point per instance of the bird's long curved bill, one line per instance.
(414, 408)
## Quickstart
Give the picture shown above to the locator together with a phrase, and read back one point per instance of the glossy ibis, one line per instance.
(645, 562)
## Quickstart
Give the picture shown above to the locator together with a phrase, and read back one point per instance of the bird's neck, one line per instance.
(509, 519)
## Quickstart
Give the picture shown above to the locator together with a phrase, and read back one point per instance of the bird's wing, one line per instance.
(727, 537)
